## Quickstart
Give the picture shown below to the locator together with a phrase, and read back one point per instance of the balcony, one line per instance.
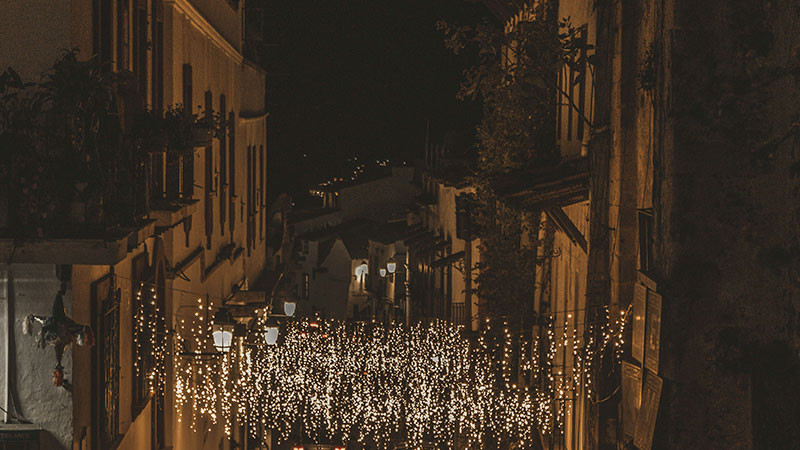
(81, 163)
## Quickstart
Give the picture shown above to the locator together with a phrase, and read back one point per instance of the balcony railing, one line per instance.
(459, 314)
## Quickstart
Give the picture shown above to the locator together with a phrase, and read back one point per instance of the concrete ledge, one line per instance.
(138, 235)
(167, 216)
(97, 251)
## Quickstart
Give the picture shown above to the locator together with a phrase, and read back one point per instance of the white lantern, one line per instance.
(391, 265)
(222, 330)
(289, 307)
(361, 270)
(383, 272)
(271, 332)
(271, 335)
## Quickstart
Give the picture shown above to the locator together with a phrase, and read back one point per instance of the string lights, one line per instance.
(150, 338)
(336, 381)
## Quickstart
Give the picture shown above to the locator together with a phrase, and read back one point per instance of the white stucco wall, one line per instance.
(568, 303)
(32, 291)
(330, 289)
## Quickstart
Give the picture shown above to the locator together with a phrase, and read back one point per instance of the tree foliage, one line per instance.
(517, 81)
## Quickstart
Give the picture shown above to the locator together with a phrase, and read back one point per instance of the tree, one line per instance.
(517, 81)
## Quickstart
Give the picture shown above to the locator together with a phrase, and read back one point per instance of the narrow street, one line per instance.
(399, 225)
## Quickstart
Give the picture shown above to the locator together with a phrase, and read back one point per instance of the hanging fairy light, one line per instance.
(149, 338)
(342, 381)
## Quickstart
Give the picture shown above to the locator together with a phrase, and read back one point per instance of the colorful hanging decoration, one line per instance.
(59, 331)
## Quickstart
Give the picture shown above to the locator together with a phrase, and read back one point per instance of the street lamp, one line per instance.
(361, 274)
(362, 269)
(222, 330)
(289, 308)
(271, 331)
(383, 272)
(391, 265)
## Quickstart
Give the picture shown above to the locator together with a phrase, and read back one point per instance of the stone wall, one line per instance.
(728, 221)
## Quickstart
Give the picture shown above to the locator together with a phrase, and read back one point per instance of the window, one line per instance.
(103, 37)
(306, 286)
(252, 195)
(646, 241)
(105, 355)
(123, 34)
(223, 169)
(249, 199)
(180, 171)
(157, 60)
(232, 170)
(262, 202)
(209, 179)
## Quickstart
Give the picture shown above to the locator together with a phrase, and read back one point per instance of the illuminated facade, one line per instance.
(442, 253)
(201, 236)
(681, 201)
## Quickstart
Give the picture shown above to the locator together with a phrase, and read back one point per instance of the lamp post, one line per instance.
(272, 327)
(289, 307)
(382, 295)
(222, 330)
(271, 331)
(361, 274)
(391, 266)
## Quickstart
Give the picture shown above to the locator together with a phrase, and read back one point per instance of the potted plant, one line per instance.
(149, 132)
(208, 127)
(179, 130)
(202, 133)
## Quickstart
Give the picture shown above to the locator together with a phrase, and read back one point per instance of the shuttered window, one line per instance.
(209, 178)
(223, 166)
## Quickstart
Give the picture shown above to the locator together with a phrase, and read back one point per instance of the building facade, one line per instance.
(200, 234)
(442, 255)
(689, 153)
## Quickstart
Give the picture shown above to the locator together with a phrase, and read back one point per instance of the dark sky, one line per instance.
(359, 78)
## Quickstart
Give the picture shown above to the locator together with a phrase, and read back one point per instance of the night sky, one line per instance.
(351, 78)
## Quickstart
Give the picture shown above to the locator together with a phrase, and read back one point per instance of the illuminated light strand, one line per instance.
(426, 383)
(150, 339)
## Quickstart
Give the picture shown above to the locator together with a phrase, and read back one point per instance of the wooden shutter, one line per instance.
(232, 170)
(262, 195)
(209, 178)
(223, 172)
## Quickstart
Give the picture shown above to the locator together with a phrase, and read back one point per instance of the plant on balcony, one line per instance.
(149, 132)
(176, 131)
(68, 167)
(74, 149)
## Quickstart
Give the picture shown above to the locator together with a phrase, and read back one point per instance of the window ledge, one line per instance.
(170, 214)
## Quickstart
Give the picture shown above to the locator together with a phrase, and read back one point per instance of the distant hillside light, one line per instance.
(391, 265)
(222, 330)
